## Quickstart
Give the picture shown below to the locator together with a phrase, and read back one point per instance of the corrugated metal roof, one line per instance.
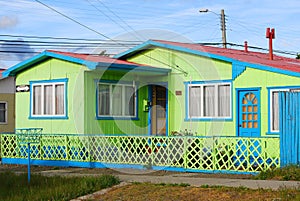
(91, 61)
(279, 62)
(94, 58)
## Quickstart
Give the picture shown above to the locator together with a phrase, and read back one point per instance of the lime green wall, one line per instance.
(198, 69)
(205, 69)
(48, 70)
(94, 126)
(259, 78)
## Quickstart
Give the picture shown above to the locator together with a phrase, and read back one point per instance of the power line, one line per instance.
(175, 67)
(83, 25)
(103, 13)
(64, 42)
(62, 38)
(134, 31)
(265, 49)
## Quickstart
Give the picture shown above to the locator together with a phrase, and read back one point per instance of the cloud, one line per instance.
(7, 22)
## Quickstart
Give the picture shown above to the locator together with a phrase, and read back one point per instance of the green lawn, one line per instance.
(16, 187)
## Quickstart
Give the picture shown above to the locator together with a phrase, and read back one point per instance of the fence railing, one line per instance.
(187, 153)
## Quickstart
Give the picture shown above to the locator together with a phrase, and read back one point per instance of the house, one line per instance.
(7, 103)
(68, 93)
(157, 88)
(228, 97)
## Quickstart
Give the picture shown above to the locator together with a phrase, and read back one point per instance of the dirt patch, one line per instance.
(147, 191)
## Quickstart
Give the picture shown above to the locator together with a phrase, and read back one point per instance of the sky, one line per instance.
(30, 26)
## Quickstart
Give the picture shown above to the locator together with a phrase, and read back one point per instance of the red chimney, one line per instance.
(270, 34)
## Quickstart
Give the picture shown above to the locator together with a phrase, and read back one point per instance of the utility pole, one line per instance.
(223, 25)
(223, 28)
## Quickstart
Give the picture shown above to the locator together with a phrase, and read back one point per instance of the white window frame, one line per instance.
(123, 115)
(216, 100)
(5, 110)
(42, 85)
(271, 107)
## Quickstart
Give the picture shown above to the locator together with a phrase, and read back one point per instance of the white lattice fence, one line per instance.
(190, 153)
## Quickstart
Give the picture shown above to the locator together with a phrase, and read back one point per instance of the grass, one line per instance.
(291, 172)
(15, 187)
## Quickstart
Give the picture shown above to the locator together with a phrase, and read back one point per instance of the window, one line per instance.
(116, 100)
(48, 98)
(3, 112)
(274, 109)
(209, 100)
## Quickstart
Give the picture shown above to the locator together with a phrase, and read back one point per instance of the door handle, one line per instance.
(240, 125)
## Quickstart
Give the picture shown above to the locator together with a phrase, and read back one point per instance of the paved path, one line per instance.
(194, 179)
(253, 184)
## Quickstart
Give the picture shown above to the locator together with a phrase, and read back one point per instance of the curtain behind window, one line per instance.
(224, 100)
(117, 100)
(195, 101)
(275, 109)
(129, 101)
(59, 95)
(104, 99)
(48, 100)
(37, 100)
(209, 101)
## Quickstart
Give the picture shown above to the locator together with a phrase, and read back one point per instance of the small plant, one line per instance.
(173, 185)
(291, 172)
(184, 132)
(204, 186)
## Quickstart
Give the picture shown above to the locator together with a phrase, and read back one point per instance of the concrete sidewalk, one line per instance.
(193, 179)
(248, 183)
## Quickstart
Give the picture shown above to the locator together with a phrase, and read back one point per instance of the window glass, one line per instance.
(2, 112)
(195, 101)
(103, 99)
(116, 100)
(48, 99)
(275, 109)
(37, 100)
(224, 100)
(59, 103)
(209, 100)
(129, 100)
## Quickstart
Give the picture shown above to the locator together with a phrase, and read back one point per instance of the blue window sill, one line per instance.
(51, 117)
(272, 133)
(208, 119)
(117, 118)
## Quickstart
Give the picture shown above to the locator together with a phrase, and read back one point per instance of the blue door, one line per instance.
(248, 113)
(248, 151)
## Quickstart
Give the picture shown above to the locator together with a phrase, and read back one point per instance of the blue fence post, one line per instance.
(28, 168)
